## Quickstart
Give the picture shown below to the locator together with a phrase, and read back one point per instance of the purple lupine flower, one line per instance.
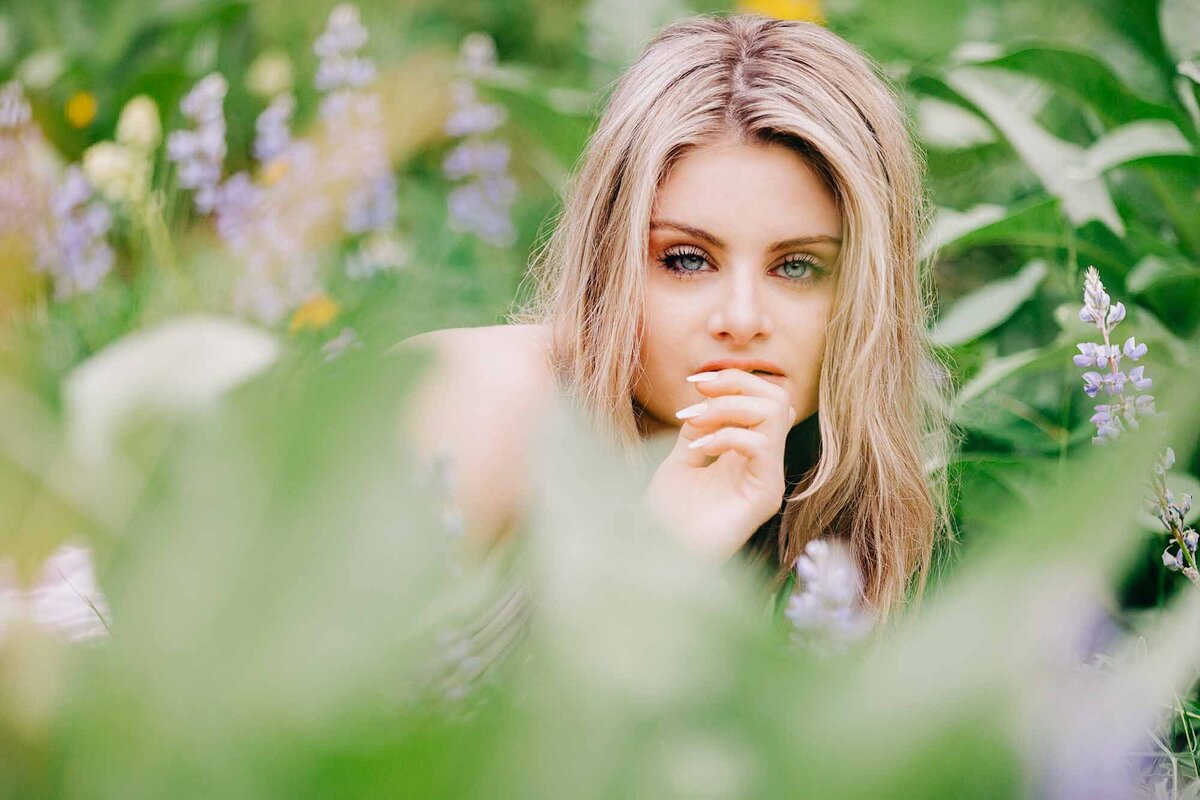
(355, 118)
(1172, 512)
(827, 611)
(74, 250)
(471, 116)
(340, 66)
(481, 205)
(1122, 411)
(200, 153)
(24, 188)
(273, 134)
(373, 207)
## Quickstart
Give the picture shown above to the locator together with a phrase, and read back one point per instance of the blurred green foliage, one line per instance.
(276, 570)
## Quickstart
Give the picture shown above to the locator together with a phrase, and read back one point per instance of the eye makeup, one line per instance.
(673, 259)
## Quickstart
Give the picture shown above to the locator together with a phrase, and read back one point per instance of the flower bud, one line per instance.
(139, 126)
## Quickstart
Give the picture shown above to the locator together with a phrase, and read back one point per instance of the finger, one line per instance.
(737, 381)
(754, 445)
(762, 458)
(747, 411)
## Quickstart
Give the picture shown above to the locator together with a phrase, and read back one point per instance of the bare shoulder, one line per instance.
(512, 358)
(478, 405)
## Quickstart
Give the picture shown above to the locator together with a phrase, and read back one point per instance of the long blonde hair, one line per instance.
(880, 480)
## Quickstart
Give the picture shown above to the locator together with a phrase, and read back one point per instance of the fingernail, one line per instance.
(703, 440)
(702, 376)
(692, 411)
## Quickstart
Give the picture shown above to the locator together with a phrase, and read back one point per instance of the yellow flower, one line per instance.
(315, 313)
(803, 10)
(81, 109)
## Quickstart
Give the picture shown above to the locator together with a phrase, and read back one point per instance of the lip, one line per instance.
(748, 365)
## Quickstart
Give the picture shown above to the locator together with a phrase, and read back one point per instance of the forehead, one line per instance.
(766, 190)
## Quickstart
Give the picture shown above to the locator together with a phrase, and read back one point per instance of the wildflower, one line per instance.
(74, 250)
(374, 206)
(200, 153)
(272, 127)
(119, 173)
(1173, 513)
(314, 314)
(378, 252)
(15, 112)
(270, 74)
(481, 205)
(1121, 412)
(340, 66)
(827, 612)
(139, 127)
(64, 598)
(803, 10)
(81, 109)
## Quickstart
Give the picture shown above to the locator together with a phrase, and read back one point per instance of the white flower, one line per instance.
(119, 173)
(64, 598)
(139, 126)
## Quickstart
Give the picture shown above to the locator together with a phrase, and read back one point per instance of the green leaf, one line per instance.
(1133, 142)
(1035, 224)
(1153, 271)
(1085, 78)
(979, 311)
(1059, 165)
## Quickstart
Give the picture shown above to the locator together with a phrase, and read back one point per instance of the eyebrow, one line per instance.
(699, 233)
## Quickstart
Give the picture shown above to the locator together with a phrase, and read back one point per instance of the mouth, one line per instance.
(765, 369)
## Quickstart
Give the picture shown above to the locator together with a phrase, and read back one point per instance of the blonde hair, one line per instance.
(879, 481)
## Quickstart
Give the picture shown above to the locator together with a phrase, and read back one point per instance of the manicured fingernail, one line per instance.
(703, 440)
(692, 411)
(702, 376)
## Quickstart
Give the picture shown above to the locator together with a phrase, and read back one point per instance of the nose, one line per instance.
(741, 314)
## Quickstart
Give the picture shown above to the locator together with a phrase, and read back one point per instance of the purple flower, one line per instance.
(272, 127)
(200, 153)
(373, 207)
(1122, 412)
(1172, 513)
(340, 66)
(827, 611)
(74, 250)
(1136, 378)
(1133, 350)
(481, 205)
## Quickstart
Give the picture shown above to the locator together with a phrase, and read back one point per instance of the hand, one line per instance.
(717, 505)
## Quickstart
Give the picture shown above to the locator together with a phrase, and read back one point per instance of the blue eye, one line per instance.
(800, 264)
(679, 262)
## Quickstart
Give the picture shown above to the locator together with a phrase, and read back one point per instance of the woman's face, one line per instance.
(744, 246)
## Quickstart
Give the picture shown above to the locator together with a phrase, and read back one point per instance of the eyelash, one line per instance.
(669, 256)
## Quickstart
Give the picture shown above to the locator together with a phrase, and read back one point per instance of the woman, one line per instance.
(737, 251)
